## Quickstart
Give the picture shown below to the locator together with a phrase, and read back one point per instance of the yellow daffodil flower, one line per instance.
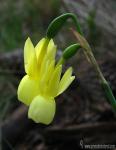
(42, 82)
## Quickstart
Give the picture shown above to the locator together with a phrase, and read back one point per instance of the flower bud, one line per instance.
(71, 51)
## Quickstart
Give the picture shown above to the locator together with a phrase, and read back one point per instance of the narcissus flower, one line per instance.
(42, 82)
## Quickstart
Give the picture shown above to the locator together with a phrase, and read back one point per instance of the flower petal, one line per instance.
(30, 59)
(41, 50)
(27, 90)
(50, 70)
(65, 81)
(39, 46)
(54, 81)
(51, 50)
(42, 110)
(46, 76)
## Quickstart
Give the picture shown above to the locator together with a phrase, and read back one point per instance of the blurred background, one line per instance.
(83, 115)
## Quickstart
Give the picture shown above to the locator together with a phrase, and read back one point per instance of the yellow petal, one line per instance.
(39, 46)
(51, 50)
(44, 66)
(66, 81)
(30, 59)
(48, 58)
(28, 50)
(50, 70)
(41, 50)
(54, 81)
(27, 90)
(42, 77)
(46, 76)
(42, 110)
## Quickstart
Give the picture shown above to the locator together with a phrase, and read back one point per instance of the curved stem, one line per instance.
(59, 22)
(78, 28)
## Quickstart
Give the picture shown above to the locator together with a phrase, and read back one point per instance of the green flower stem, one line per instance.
(54, 28)
(109, 94)
(78, 28)
(61, 61)
(88, 52)
(59, 22)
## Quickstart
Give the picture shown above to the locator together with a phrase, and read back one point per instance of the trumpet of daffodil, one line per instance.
(42, 82)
